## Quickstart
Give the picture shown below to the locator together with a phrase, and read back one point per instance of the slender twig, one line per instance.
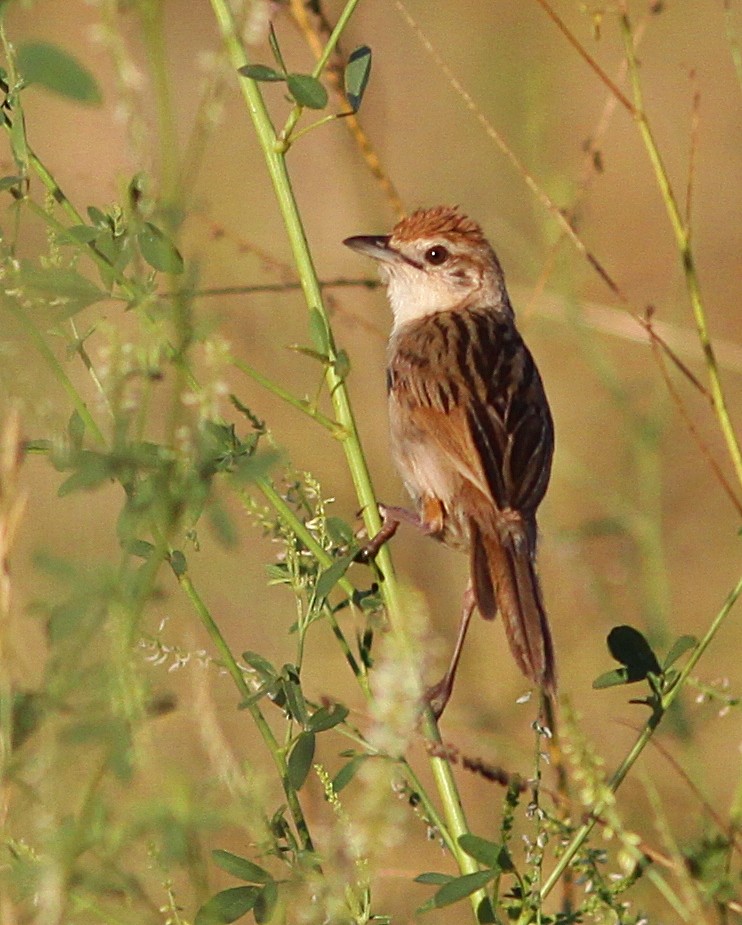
(301, 404)
(682, 238)
(586, 56)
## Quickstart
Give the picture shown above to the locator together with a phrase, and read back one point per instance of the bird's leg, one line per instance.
(429, 522)
(439, 694)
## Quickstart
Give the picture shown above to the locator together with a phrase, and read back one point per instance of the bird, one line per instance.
(471, 430)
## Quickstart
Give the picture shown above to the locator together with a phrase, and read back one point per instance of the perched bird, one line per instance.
(471, 431)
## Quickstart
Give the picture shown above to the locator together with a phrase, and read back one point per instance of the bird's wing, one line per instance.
(467, 381)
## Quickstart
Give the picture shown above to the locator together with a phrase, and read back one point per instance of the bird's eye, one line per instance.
(436, 255)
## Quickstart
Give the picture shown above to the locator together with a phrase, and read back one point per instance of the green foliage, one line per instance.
(51, 67)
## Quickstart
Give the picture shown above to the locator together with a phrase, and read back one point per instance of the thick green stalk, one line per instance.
(274, 154)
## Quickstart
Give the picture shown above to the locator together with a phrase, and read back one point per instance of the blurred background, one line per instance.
(636, 528)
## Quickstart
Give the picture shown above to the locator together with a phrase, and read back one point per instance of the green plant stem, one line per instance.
(683, 240)
(276, 164)
(300, 404)
(60, 375)
(290, 520)
(264, 728)
(639, 745)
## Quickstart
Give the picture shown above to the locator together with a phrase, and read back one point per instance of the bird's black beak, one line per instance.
(376, 246)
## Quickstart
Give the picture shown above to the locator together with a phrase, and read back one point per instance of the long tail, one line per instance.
(504, 579)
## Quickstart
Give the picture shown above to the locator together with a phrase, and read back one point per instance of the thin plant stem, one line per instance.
(683, 241)
(300, 404)
(60, 375)
(641, 742)
(235, 672)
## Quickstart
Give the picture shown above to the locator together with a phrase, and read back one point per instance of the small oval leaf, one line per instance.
(348, 771)
(261, 72)
(266, 903)
(327, 718)
(681, 645)
(158, 250)
(629, 647)
(240, 867)
(486, 852)
(300, 759)
(461, 887)
(49, 66)
(227, 906)
(332, 575)
(307, 91)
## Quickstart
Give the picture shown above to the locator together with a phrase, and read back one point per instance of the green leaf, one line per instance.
(629, 647)
(140, 548)
(252, 468)
(227, 906)
(240, 867)
(158, 250)
(485, 912)
(222, 525)
(295, 701)
(82, 234)
(263, 667)
(265, 904)
(91, 470)
(348, 771)
(486, 852)
(461, 887)
(56, 70)
(178, 563)
(611, 678)
(319, 332)
(307, 91)
(341, 365)
(681, 645)
(260, 72)
(98, 218)
(434, 878)
(340, 531)
(327, 717)
(300, 759)
(357, 73)
(76, 430)
(28, 709)
(332, 575)
(60, 283)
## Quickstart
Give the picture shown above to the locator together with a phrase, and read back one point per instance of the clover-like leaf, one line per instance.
(49, 66)
(300, 759)
(629, 647)
(307, 91)
(158, 250)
